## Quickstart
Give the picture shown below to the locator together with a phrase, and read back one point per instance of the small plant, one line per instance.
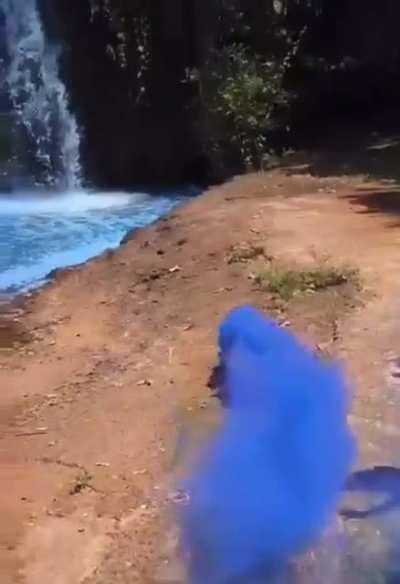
(286, 283)
(244, 252)
(82, 482)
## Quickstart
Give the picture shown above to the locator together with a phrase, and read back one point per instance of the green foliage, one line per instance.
(286, 283)
(241, 92)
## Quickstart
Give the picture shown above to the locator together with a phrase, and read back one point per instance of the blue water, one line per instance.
(41, 232)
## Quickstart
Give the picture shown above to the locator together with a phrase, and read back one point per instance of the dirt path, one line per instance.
(112, 359)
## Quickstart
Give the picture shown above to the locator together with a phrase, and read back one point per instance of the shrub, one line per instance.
(240, 93)
(286, 283)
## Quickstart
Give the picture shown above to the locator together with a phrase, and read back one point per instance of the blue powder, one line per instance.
(269, 480)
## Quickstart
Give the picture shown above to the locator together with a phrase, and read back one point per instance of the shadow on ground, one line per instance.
(372, 526)
(383, 200)
(369, 147)
(375, 156)
(381, 481)
(369, 151)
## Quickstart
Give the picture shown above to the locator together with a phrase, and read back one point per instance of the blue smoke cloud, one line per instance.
(269, 480)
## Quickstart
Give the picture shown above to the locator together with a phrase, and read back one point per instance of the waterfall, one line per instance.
(39, 96)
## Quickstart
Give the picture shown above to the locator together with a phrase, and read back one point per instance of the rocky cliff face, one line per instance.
(15, 152)
(125, 62)
(125, 73)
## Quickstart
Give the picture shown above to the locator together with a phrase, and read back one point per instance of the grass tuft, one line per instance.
(244, 252)
(286, 283)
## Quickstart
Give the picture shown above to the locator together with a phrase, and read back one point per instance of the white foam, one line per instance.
(71, 203)
(41, 232)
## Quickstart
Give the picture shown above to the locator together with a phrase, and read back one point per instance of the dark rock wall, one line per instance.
(133, 136)
(130, 137)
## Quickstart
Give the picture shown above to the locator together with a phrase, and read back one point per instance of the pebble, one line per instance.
(145, 382)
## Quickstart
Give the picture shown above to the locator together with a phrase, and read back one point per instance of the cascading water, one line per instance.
(59, 224)
(39, 95)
